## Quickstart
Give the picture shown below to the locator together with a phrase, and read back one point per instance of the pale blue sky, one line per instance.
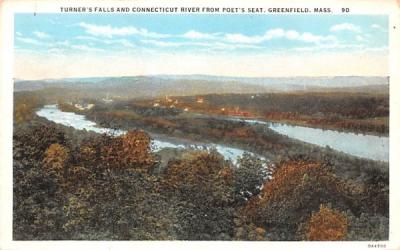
(224, 36)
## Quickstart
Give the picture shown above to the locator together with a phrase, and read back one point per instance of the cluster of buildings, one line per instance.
(81, 105)
(172, 103)
(85, 106)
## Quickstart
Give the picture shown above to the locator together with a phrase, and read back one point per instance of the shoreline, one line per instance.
(231, 144)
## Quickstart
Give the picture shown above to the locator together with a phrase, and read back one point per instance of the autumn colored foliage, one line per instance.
(243, 132)
(55, 160)
(24, 108)
(294, 177)
(359, 112)
(135, 149)
(131, 150)
(327, 224)
(295, 190)
(197, 169)
(72, 184)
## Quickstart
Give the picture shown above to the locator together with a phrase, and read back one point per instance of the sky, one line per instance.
(94, 45)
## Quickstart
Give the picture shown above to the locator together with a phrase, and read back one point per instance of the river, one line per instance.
(53, 113)
(364, 146)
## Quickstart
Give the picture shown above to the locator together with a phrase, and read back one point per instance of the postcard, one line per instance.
(232, 124)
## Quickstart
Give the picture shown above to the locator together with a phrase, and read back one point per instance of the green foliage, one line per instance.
(369, 227)
(77, 213)
(31, 141)
(37, 206)
(25, 105)
(248, 231)
(376, 191)
(250, 175)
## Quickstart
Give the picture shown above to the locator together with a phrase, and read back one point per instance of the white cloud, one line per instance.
(277, 34)
(86, 48)
(192, 34)
(220, 40)
(109, 31)
(161, 43)
(206, 45)
(29, 40)
(41, 35)
(270, 34)
(292, 34)
(240, 38)
(123, 42)
(333, 46)
(221, 45)
(126, 43)
(360, 38)
(274, 33)
(345, 27)
(376, 26)
(308, 37)
(90, 38)
(63, 43)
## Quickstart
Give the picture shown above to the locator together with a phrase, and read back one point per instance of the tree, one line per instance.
(131, 150)
(56, 159)
(327, 224)
(294, 192)
(25, 105)
(31, 141)
(202, 181)
(250, 175)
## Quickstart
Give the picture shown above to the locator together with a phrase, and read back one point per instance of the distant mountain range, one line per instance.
(158, 85)
(325, 81)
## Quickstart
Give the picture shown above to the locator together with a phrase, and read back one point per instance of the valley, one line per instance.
(234, 150)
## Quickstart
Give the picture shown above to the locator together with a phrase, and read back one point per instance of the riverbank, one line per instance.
(159, 141)
(190, 125)
(362, 113)
(255, 138)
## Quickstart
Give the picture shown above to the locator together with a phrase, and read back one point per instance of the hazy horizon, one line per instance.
(199, 75)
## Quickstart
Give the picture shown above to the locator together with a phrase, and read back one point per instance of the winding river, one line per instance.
(364, 146)
(53, 113)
